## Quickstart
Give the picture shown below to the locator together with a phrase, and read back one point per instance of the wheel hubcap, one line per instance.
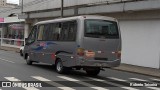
(59, 66)
(28, 58)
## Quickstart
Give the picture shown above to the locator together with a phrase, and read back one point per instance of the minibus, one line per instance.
(87, 42)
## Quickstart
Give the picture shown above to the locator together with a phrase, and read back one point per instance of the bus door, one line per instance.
(31, 43)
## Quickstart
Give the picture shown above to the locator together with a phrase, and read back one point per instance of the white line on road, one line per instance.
(129, 88)
(122, 80)
(155, 79)
(82, 83)
(40, 78)
(153, 88)
(68, 78)
(138, 79)
(54, 83)
(65, 88)
(13, 79)
(6, 60)
(117, 79)
(95, 79)
(99, 88)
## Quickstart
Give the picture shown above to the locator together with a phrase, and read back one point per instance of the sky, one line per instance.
(13, 1)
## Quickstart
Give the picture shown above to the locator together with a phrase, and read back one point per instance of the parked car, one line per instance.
(21, 51)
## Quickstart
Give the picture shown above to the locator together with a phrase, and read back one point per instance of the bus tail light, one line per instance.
(90, 53)
(80, 51)
(118, 54)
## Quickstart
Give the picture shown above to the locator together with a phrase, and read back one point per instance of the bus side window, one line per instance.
(55, 31)
(64, 33)
(68, 31)
(46, 32)
(72, 31)
(41, 32)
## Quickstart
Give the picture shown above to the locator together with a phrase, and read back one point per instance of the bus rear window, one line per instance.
(101, 29)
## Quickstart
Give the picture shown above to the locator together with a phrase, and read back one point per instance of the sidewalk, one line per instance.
(9, 48)
(139, 70)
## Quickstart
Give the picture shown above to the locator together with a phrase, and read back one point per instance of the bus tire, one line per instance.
(93, 72)
(28, 60)
(59, 66)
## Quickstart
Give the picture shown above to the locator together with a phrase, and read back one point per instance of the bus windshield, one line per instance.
(101, 29)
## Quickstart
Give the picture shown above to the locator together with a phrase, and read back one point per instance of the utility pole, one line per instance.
(62, 7)
(76, 10)
(22, 7)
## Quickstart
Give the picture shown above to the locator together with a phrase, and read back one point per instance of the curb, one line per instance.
(139, 70)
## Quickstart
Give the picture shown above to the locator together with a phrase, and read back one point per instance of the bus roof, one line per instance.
(77, 17)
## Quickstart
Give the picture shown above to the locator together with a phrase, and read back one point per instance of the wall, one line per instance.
(35, 5)
(141, 42)
(106, 8)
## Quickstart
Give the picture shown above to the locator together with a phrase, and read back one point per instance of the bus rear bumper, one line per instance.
(102, 64)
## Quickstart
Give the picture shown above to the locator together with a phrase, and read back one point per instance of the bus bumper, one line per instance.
(102, 64)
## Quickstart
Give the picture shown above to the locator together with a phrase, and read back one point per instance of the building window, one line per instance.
(13, 34)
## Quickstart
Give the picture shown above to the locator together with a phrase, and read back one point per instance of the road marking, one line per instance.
(99, 88)
(68, 78)
(138, 79)
(153, 88)
(6, 60)
(155, 79)
(52, 83)
(117, 79)
(82, 83)
(40, 78)
(65, 88)
(129, 88)
(95, 79)
(122, 80)
(13, 79)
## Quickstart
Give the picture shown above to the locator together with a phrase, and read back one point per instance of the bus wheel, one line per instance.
(93, 72)
(59, 66)
(28, 60)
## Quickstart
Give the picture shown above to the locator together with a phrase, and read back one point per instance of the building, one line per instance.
(139, 22)
(11, 5)
(11, 28)
(3, 2)
(12, 32)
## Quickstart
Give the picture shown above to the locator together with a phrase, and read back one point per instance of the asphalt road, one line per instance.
(14, 70)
